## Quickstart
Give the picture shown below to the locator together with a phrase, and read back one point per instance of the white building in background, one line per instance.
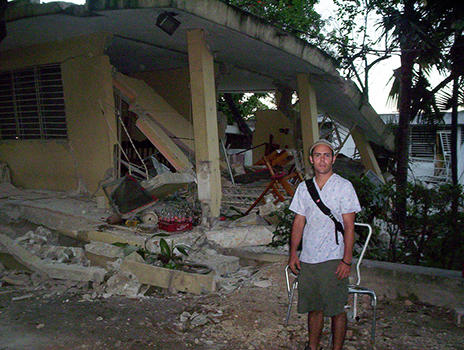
(429, 150)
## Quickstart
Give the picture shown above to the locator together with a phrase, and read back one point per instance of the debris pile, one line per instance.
(123, 269)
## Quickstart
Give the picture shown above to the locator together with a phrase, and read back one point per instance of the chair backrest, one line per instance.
(363, 250)
(289, 273)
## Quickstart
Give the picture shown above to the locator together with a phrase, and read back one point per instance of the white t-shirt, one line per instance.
(319, 242)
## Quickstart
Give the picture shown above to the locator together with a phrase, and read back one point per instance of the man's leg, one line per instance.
(338, 330)
(315, 326)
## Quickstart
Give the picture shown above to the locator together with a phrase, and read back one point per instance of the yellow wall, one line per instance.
(270, 122)
(173, 86)
(81, 162)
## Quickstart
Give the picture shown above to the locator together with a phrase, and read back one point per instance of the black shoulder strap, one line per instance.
(317, 199)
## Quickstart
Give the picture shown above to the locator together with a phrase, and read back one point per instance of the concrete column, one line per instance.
(367, 155)
(308, 113)
(205, 126)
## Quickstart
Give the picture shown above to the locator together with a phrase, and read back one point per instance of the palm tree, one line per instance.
(411, 29)
(429, 34)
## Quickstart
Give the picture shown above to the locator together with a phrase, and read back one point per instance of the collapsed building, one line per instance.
(118, 102)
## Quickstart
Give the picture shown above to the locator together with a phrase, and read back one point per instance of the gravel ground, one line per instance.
(38, 313)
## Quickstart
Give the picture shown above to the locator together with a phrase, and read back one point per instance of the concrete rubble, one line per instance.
(239, 299)
(94, 258)
(225, 247)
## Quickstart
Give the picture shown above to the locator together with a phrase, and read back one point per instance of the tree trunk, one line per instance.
(454, 239)
(405, 116)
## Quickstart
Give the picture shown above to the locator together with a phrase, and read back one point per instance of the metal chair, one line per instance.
(354, 287)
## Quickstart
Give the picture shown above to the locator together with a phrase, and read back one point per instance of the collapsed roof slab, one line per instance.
(161, 116)
(164, 144)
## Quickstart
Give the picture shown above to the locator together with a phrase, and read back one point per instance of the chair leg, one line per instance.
(290, 302)
(374, 313)
(373, 296)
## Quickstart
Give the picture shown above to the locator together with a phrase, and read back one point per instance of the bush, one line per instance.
(433, 237)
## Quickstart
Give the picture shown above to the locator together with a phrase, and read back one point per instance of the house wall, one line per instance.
(173, 86)
(79, 163)
(271, 122)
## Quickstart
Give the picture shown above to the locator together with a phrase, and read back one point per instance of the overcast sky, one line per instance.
(379, 76)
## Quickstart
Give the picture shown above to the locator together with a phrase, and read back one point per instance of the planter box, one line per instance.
(168, 278)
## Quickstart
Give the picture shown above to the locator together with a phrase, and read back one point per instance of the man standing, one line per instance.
(324, 264)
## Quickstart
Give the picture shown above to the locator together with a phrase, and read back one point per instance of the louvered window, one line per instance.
(422, 142)
(32, 104)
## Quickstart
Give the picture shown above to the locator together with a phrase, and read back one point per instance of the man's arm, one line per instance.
(344, 268)
(295, 239)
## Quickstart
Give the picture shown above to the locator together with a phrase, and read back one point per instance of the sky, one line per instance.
(379, 76)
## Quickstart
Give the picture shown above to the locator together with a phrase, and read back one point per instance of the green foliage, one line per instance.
(432, 237)
(295, 16)
(247, 105)
(167, 257)
(283, 227)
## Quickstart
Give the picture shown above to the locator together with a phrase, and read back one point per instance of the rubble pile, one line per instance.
(109, 270)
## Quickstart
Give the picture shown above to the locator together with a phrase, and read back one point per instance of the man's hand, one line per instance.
(294, 263)
(343, 270)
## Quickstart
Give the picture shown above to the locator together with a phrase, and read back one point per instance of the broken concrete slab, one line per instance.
(123, 283)
(249, 254)
(250, 219)
(99, 254)
(234, 237)
(49, 268)
(220, 264)
(170, 279)
(163, 142)
(167, 183)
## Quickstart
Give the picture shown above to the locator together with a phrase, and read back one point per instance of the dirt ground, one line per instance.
(38, 313)
(48, 314)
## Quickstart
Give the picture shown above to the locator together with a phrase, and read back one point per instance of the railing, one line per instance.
(430, 170)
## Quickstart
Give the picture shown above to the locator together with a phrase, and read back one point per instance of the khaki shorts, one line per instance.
(319, 289)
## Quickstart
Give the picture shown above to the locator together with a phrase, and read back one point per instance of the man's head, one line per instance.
(321, 142)
(322, 156)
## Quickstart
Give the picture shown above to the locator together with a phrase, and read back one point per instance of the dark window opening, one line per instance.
(32, 104)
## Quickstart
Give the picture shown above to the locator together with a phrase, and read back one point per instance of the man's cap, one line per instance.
(321, 142)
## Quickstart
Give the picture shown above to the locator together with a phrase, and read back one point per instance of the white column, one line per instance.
(205, 126)
(367, 154)
(308, 113)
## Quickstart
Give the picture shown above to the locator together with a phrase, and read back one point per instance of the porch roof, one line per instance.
(252, 55)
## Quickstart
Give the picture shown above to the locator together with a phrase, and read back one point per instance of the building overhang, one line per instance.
(252, 55)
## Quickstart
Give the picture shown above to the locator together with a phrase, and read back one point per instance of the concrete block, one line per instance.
(171, 279)
(250, 219)
(120, 236)
(167, 183)
(266, 209)
(250, 254)
(51, 269)
(99, 254)
(136, 257)
(71, 272)
(241, 236)
(221, 264)
(124, 284)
